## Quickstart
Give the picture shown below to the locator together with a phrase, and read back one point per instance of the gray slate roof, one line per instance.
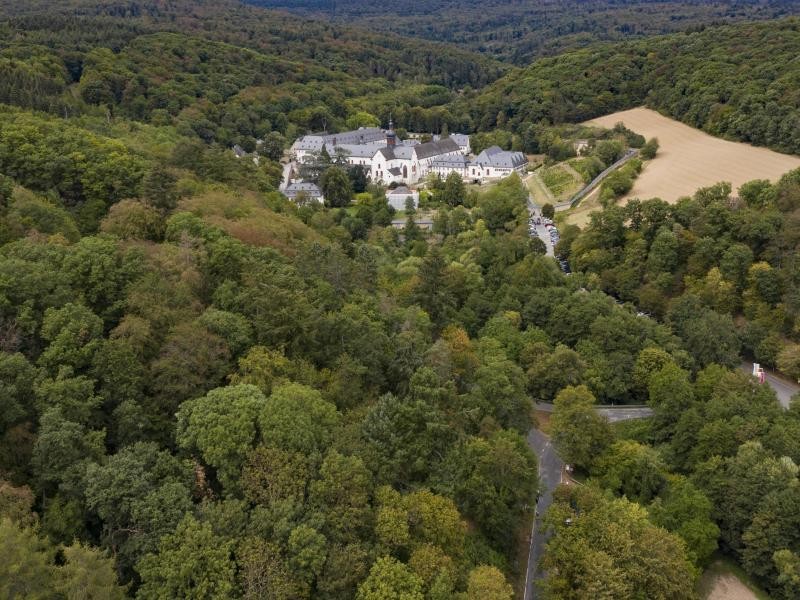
(359, 150)
(308, 188)
(403, 152)
(400, 190)
(429, 149)
(461, 139)
(499, 158)
(451, 162)
(315, 141)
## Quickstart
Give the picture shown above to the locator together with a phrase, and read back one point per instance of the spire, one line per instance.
(391, 137)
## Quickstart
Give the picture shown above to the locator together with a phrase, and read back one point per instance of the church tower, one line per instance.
(391, 137)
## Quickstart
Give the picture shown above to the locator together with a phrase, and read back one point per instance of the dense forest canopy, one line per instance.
(209, 391)
(739, 82)
(113, 23)
(722, 272)
(230, 73)
(524, 30)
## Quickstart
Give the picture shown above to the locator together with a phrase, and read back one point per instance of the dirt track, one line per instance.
(689, 159)
(728, 587)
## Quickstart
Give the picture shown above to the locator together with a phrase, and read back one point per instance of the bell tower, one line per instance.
(391, 136)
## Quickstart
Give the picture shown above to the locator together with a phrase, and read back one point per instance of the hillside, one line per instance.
(737, 82)
(113, 23)
(228, 72)
(689, 159)
(524, 30)
(211, 391)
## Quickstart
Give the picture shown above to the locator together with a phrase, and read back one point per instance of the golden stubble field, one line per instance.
(689, 159)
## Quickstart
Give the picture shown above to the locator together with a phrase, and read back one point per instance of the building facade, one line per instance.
(388, 160)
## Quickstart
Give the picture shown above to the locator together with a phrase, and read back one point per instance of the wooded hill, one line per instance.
(230, 73)
(209, 391)
(522, 31)
(739, 82)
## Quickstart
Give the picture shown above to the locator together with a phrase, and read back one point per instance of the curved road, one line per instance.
(784, 388)
(551, 468)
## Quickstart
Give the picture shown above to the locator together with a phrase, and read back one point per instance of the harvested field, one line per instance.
(689, 159)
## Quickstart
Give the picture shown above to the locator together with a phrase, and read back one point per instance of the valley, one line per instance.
(293, 305)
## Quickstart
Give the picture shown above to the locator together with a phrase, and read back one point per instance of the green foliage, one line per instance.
(579, 433)
(336, 187)
(192, 562)
(608, 548)
(488, 583)
(649, 150)
(521, 32)
(297, 419)
(560, 182)
(235, 396)
(88, 574)
(28, 213)
(632, 470)
(82, 167)
(686, 511)
(671, 74)
(492, 481)
(26, 570)
(222, 427)
(390, 580)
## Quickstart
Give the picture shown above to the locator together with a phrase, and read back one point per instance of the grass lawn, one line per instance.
(541, 195)
(560, 182)
(725, 580)
(542, 420)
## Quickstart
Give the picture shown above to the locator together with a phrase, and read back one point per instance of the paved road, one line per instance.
(784, 388)
(540, 230)
(550, 471)
(612, 413)
(597, 180)
(287, 171)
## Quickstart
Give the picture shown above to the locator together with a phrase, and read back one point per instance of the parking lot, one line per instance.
(544, 228)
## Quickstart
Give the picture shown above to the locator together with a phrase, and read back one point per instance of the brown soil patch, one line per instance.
(728, 587)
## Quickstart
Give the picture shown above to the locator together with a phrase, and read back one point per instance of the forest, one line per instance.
(521, 31)
(737, 82)
(208, 391)
(721, 272)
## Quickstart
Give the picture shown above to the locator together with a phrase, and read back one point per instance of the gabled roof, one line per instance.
(315, 141)
(308, 188)
(401, 152)
(499, 158)
(451, 162)
(400, 190)
(357, 150)
(429, 149)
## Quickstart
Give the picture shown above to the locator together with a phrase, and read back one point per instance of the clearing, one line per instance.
(724, 580)
(562, 182)
(689, 159)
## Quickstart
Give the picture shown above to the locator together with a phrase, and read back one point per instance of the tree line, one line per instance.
(730, 81)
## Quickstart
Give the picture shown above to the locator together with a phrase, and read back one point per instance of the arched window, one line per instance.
(405, 171)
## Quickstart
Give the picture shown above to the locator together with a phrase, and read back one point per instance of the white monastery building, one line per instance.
(390, 161)
(397, 197)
